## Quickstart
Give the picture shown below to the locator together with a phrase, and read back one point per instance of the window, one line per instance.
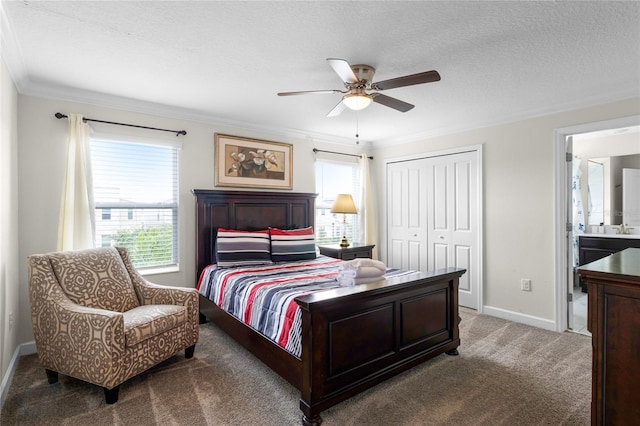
(135, 187)
(333, 178)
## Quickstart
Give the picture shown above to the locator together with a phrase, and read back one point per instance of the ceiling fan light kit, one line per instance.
(356, 101)
(357, 81)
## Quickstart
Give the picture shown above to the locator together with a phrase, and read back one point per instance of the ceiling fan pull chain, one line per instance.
(357, 128)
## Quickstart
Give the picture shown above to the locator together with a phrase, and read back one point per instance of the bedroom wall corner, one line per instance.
(9, 281)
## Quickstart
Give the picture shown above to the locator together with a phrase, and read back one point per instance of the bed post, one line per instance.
(455, 313)
(307, 392)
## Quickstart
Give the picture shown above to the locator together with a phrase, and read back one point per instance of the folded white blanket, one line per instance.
(368, 272)
(360, 271)
(368, 263)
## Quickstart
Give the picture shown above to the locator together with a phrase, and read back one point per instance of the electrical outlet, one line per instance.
(525, 284)
(10, 320)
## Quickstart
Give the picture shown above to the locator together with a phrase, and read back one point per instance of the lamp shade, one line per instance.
(344, 204)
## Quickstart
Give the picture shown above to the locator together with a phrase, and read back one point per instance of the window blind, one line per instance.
(135, 188)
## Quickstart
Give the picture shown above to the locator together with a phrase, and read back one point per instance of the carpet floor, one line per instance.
(506, 374)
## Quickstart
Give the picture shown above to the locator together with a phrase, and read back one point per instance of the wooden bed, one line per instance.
(352, 337)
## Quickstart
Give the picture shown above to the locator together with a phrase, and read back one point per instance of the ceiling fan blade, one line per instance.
(394, 103)
(343, 69)
(407, 80)
(311, 92)
(337, 110)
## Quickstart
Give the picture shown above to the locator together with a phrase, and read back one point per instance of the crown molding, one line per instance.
(126, 104)
(520, 116)
(132, 105)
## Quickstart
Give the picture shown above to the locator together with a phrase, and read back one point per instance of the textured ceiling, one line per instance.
(224, 62)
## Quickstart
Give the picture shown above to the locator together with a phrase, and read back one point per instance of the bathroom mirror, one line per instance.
(631, 196)
(595, 205)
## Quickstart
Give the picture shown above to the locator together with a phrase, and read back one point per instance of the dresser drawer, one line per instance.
(355, 254)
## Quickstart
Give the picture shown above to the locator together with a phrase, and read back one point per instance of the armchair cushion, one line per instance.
(148, 321)
(95, 278)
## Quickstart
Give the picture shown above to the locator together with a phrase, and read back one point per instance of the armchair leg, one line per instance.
(188, 352)
(111, 395)
(52, 376)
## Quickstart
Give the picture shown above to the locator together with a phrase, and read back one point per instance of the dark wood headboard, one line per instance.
(246, 210)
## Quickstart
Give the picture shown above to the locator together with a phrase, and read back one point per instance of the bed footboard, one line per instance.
(354, 338)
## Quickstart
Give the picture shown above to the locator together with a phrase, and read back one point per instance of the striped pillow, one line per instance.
(296, 244)
(242, 248)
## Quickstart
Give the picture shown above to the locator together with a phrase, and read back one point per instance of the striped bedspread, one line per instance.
(263, 296)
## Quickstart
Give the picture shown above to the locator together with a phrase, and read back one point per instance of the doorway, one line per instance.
(570, 300)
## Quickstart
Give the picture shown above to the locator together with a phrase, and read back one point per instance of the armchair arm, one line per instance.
(86, 343)
(155, 294)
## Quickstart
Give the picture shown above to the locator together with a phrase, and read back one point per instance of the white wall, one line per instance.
(9, 282)
(519, 205)
(41, 165)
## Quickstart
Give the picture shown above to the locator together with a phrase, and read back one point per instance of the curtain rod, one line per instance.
(177, 132)
(340, 153)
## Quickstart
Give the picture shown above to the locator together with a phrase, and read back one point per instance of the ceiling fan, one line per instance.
(357, 82)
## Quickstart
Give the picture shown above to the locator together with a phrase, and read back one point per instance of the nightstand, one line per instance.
(348, 253)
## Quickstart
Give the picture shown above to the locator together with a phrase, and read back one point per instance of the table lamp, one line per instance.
(344, 204)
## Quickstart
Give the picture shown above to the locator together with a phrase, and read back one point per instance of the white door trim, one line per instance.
(561, 205)
(477, 149)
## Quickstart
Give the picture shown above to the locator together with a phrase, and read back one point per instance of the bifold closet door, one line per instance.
(432, 217)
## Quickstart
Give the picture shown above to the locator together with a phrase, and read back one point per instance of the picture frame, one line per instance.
(252, 163)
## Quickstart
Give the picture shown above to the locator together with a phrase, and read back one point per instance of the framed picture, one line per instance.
(253, 163)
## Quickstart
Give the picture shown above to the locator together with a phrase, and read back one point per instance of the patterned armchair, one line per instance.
(97, 319)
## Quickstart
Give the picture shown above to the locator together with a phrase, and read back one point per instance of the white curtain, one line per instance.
(76, 227)
(578, 210)
(368, 222)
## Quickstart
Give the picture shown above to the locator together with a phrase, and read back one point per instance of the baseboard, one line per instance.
(23, 349)
(519, 317)
(28, 348)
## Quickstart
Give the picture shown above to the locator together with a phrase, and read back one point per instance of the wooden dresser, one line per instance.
(614, 321)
